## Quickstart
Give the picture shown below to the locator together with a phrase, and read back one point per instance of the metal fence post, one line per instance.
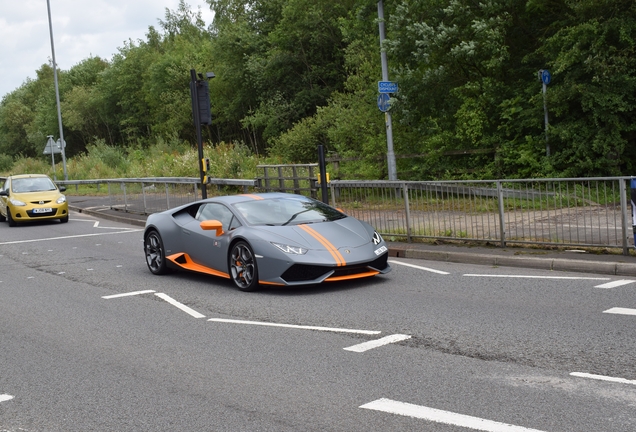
(405, 190)
(123, 186)
(143, 194)
(623, 194)
(167, 197)
(502, 230)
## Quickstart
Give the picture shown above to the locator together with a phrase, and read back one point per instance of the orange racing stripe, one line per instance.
(335, 253)
(256, 197)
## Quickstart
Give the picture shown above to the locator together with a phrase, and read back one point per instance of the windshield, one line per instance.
(32, 184)
(287, 211)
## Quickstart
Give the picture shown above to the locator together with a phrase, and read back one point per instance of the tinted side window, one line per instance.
(218, 212)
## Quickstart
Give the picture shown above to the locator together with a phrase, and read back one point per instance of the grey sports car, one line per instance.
(264, 239)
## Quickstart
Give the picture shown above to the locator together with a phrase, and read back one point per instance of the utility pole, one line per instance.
(387, 115)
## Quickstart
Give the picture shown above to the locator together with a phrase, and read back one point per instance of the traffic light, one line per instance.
(203, 94)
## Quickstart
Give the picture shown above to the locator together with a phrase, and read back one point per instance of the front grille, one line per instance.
(305, 272)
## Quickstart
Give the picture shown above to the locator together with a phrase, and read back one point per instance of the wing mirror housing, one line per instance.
(210, 225)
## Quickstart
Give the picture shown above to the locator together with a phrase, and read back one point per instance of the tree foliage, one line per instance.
(294, 74)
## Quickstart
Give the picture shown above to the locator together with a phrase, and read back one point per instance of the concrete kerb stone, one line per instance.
(551, 264)
(584, 266)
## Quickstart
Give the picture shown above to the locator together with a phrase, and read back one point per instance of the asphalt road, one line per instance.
(470, 347)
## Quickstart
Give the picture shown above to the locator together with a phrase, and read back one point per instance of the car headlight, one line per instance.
(296, 250)
(16, 202)
(61, 200)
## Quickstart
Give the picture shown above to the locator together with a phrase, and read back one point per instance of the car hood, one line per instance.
(36, 197)
(347, 232)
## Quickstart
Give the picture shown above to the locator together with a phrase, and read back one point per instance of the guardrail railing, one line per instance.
(584, 212)
(155, 194)
(592, 212)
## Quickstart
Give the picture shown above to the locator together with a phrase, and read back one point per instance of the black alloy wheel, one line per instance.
(243, 268)
(155, 255)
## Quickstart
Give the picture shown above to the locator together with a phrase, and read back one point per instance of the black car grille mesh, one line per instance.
(306, 272)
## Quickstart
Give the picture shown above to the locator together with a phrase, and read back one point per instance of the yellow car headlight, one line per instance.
(61, 200)
(16, 202)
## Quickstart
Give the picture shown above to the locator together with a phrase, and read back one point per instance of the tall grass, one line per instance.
(165, 158)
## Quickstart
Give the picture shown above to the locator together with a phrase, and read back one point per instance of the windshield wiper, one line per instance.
(294, 216)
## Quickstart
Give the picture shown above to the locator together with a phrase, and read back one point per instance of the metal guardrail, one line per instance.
(155, 194)
(591, 212)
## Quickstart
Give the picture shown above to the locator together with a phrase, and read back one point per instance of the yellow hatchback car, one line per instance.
(32, 197)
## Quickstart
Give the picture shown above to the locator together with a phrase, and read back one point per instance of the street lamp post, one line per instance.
(57, 91)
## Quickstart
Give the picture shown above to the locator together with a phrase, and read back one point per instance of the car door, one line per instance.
(4, 199)
(204, 246)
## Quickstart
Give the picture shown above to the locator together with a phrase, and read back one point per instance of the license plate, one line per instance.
(42, 210)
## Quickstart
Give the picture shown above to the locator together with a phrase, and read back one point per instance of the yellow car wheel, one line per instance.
(10, 219)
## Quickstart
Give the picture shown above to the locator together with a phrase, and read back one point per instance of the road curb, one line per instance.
(552, 264)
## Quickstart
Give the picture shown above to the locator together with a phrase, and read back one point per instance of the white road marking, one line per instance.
(71, 237)
(96, 224)
(603, 378)
(181, 306)
(5, 397)
(134, 293)
(377, 343)
(621, 311)
(419, 267)
(536, 277)
(439, 416)
(330, 329)
(615, 284)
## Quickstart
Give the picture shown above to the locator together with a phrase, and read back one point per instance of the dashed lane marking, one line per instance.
(377, 343)
(418, 267)
(439, 416)
(126, 231)
(267, 324)
(134, 293)
(603, 378)
(181, 306)
(621, 311)
(615, 284)
(5, 397)
(536, 277)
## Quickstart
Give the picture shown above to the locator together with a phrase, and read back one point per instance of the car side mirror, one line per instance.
(62, 188)
(4, 193)
(209, 225)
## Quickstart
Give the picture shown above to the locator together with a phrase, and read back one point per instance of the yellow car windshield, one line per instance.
(33, 184)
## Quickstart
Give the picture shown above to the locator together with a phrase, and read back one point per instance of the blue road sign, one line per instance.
(387, 87)
(383, 102)
(545, 76)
